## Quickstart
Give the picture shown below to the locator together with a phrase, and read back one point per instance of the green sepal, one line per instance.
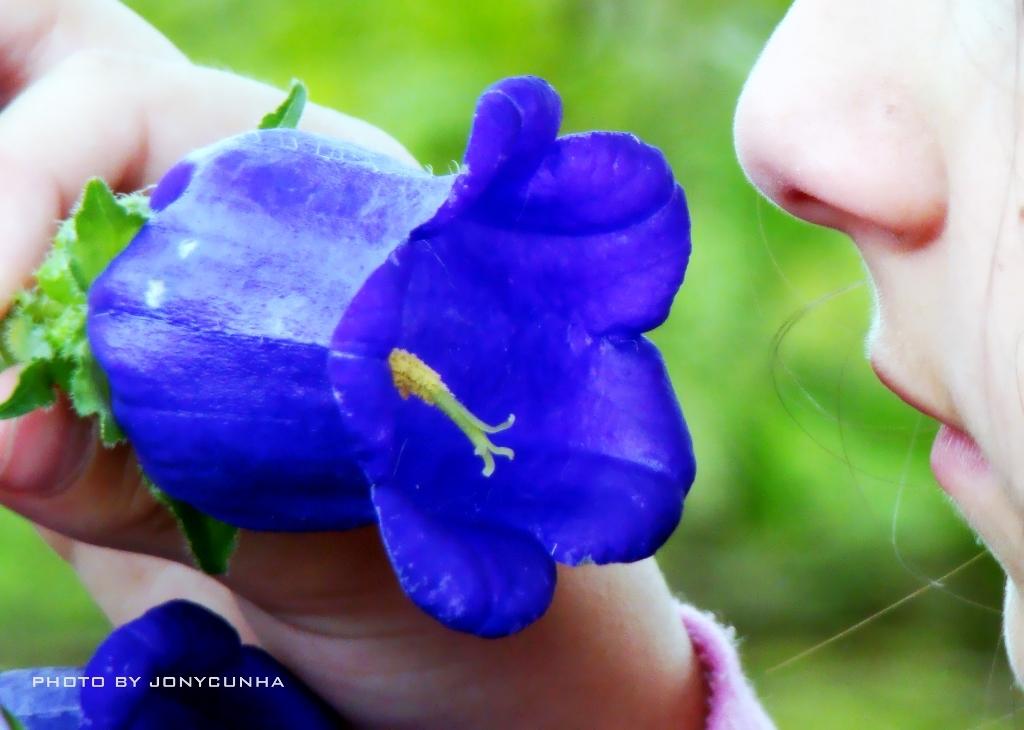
(288, 114)
(90, 392)
(45, 328)
(52, 277)
(103, 227)
(23, 338)
(34, 390)
(13, 723)
(211, 542)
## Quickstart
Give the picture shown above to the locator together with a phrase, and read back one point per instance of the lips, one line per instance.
(956, 458)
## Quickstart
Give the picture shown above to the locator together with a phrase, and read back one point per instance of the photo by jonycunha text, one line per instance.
(165, 682)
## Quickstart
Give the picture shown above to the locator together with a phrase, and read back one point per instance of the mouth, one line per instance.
(956, 459)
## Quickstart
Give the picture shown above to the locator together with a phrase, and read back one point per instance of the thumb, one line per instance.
(41, 452)
(53, 472)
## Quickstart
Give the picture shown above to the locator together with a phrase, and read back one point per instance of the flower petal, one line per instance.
(173, 639)
(527, 293)
(516, 120)
(603, 459)
(213, 325)
(255, 456)
(602, 462)
(362, 384)
(160, 712)
(609, 464)
(40, 699)
(487, 579)
(600, 230)
(182, 639)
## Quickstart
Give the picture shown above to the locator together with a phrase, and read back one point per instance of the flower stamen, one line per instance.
(412, 376)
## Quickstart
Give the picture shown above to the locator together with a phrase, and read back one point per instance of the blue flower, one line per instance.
(527, 294)
(44, 698)
(308, 336)
(213, 326)
(172, 646)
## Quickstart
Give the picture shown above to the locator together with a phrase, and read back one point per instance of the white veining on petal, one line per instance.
(155, 291)
(186, 247)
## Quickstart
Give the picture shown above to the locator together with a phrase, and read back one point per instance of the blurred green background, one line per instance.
(814, 508)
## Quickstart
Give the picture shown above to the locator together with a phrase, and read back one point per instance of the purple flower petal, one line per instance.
(484, 578)
(516, 120)
(601, 229)
(42, 706)
(175, 638)
(183, 640)
(603, 458)
(527, 294)
(213, 326)
(594, 222)
(254, 375)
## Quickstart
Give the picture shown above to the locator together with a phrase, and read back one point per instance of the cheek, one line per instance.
(983, 340)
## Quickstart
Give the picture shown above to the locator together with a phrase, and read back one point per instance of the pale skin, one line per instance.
(899, 123)
(91, 90)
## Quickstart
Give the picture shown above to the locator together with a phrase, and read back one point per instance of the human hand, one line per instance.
(128, 105)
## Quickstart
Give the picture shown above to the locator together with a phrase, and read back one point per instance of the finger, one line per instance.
(126, 585)
(100, 500)
(126, 119)
(54, 474)
(35, 36)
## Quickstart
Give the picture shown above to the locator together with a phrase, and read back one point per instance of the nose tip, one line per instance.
(842, 149)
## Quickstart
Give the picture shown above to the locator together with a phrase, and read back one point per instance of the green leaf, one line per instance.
(211, 541)
(13, 723)
(34, 390)
(103, 227)
(90, 396)
(288, 114)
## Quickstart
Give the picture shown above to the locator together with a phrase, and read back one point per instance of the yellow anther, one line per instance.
(412, 376)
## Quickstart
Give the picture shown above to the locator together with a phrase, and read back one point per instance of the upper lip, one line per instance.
(892, 382)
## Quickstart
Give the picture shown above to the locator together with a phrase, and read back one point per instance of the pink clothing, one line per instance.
(731, 701)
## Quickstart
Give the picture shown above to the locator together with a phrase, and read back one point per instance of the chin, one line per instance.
(1013, 630)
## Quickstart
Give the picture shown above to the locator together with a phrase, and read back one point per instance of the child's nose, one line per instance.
(829, 129)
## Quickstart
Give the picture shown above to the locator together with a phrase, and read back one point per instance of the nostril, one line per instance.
(809, 207)
(869, 166)
(905, 224)
(814, 209)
